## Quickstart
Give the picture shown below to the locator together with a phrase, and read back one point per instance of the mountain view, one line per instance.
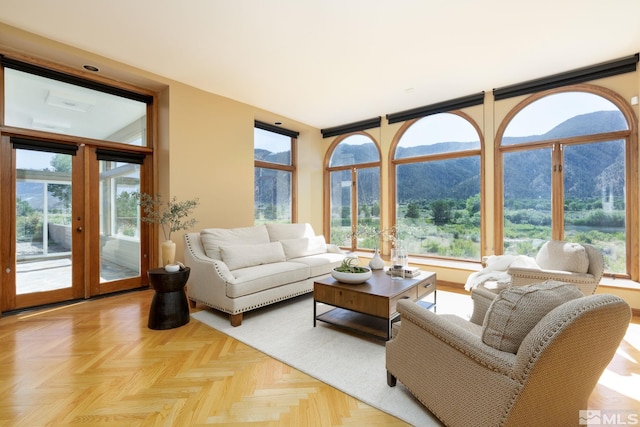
(459, 179)
(587, 167)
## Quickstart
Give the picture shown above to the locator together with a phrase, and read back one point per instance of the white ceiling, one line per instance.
(332, 62)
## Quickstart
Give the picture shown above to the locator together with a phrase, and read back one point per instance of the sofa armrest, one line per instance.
(335, 249)
(208, 278)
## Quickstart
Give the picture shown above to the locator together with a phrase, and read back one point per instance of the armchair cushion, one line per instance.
(563, 256)
(516, 310)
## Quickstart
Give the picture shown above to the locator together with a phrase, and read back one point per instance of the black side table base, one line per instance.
(169, 307)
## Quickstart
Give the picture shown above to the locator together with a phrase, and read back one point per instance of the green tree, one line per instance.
(473, 204)
(441, 211)
(375, 209)
(413, 210)
(126, 205)
(23, 208)
(61, 163)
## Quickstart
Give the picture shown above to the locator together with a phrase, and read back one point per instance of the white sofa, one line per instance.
(239, 269)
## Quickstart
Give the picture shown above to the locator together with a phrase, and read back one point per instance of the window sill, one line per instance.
(611, 282)
(469, 266)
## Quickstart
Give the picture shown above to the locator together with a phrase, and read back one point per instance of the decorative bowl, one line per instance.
(351, 278)
(172, 268)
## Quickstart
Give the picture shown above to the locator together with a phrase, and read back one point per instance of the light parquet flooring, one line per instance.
(97, 363)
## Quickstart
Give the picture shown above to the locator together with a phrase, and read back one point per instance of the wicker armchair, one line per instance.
(556, 262)
(443, 361)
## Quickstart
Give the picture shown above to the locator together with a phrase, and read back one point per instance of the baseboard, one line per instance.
(452, 287)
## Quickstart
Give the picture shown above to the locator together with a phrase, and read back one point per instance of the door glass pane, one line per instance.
(119, 221)
(341, 208)
(594, 201)
(368, 207)
(43, 221)
(527, 201)
(438, 210)
(35, 102)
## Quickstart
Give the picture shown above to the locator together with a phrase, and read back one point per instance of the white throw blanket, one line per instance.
(496, 270)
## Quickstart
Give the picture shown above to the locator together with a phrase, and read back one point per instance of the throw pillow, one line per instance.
(240, 256)
(516, 310)
(278, 232)
(295, 248)
(213, 238)
(563, 256)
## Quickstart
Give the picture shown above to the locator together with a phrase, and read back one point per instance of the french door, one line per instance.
(73, 223)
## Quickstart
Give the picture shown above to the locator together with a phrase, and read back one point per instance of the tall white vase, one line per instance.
(168, 252)
(376, 262)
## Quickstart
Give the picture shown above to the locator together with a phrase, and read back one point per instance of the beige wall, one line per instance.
(210, 148)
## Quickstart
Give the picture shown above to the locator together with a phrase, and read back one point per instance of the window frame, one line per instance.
(631, 173)
(354, 168)
(291, 168)
(393, 163)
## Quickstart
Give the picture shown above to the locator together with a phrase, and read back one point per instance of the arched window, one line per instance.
(353, 175)
(437, 186)
(565, 168)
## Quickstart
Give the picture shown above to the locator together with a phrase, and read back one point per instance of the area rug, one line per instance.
(350, 363)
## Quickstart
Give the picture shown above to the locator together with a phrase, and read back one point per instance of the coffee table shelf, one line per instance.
(356, 322)
(370, 308)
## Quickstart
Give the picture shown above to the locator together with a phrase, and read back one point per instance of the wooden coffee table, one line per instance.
(370, 308)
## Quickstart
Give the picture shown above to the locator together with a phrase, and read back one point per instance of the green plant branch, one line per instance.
(172, 215)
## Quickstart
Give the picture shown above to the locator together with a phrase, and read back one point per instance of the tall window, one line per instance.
(354, 192)
(565, 174)
(274, 174)
(437, 187)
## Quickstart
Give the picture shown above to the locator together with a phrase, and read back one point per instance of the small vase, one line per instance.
(376, 262)
(168, 252)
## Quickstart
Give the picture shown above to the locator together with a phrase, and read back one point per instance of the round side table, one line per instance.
(169, 307)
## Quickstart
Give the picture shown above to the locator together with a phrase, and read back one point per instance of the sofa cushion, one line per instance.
(320, 264)
(240, 256)
(251, 280)
(288, 231)
(295, 248)
(516, 310)
(213, 238)
(563, 256)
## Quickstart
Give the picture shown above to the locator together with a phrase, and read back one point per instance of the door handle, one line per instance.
(79, 229)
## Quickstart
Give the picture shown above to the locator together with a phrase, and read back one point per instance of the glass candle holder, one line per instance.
(398, 262)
